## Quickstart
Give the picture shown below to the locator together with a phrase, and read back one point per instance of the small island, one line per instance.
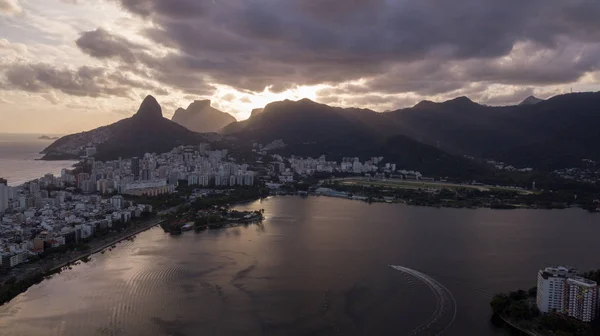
(215, 218)
(45, 137)
(211, 210)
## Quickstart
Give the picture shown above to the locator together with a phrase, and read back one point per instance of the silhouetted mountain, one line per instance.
(429, 160)
(145, 132)
(554, 133)
(312, 129)
(304, 121)
(201, 117)
(557, 132)
(531, 100)
(256, 112)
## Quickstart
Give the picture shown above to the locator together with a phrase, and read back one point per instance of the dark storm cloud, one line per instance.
(111, 46)
(184, 73)
(84, 81)
(426, 46)
(177, 9)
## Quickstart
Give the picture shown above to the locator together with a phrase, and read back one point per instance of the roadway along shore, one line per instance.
(52, 263)
(109, 242)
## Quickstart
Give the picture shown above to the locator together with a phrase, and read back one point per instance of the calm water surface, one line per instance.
(18, 158)
(316, 266)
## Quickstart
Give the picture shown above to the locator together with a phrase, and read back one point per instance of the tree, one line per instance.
(499, 304)
(532, 291)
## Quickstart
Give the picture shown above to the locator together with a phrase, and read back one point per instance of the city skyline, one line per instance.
(70, 65)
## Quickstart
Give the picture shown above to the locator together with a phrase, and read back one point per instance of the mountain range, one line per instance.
(201, 117)
(545, 134)
(147, 131)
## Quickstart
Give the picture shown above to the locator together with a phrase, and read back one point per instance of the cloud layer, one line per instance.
(371, 53)
(426, 46)
(9, 7)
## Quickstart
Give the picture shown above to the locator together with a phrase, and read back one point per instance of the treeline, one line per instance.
(520, 308)
(470, 197)
(232, 196)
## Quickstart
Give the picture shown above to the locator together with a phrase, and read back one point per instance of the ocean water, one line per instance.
(19, 154)
(315, 266)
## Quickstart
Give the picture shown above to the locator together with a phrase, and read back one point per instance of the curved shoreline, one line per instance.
(516, 327)
(97, 249)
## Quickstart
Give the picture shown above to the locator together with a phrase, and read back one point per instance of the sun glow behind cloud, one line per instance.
(59, 74)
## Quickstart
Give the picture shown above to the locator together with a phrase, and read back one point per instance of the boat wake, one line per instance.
(445, 311)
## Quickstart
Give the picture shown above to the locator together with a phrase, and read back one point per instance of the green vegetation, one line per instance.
(457, 196)
(13, 287)
(592, 275)
(516, 306)
(212, 211)
(520, 309)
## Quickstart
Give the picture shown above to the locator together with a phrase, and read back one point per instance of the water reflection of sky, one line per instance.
(315, 265)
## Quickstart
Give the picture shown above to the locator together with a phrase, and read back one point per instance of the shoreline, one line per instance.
(517, 328)
(38, 273)
(97, 249)
(438, 206)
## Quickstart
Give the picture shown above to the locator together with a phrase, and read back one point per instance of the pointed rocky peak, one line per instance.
(256, 112)
(149, 109)
(531, 100)
(178, 115)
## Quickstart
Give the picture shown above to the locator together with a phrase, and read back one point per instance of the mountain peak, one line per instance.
(531, 100)
(461, 100)
(424, 104)
(199, 104)
(149, 108)
(256, 112)
(201, 117)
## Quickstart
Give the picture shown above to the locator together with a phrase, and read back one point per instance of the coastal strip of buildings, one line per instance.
(53, 211)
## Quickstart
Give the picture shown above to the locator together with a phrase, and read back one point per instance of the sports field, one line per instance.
(411, 184)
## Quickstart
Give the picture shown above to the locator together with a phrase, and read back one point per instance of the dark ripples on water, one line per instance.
(316, 266)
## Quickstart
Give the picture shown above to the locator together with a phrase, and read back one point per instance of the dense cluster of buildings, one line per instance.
(155, 174)
(286, 168)
(589, 173)
(504, 166)
(56, 210)
(34, 218)
(562, 290)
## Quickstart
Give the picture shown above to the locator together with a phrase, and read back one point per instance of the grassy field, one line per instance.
(408, 184)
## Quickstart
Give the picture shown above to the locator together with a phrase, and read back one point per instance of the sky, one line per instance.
(72, 65)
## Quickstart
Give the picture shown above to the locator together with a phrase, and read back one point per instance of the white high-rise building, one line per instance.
(561, 290)
(582, 298)
(551, 288)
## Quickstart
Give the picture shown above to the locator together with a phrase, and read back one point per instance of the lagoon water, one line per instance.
(315, 266)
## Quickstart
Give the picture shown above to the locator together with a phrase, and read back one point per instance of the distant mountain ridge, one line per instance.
(555, 133)
(145, 132)
(558, 132)
(201, 117)
(531, 100)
